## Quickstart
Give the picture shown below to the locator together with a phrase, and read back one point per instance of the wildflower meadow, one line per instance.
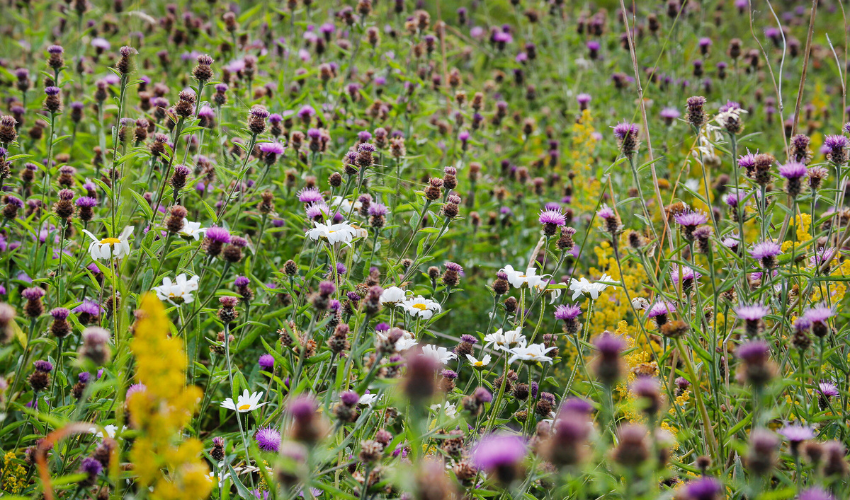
(424, 250)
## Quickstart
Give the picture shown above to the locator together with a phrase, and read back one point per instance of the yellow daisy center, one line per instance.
(109, 241)
(479, 363)
(244, 407)
(421, 307)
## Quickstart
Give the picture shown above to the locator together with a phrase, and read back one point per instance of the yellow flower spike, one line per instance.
(162, 409)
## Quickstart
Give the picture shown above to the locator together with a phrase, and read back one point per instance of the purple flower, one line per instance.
(274, 148)
(661, 308)
(624, 130)
(60, 313)
(828, 389)
(469, 339)
(819, 314)
(567, 311)
(33, 293)
(483, 395)
(577, 405)
(378, 210)
(753, 312)
(89, 307)
(498, 451)
(670, 114)
(302, 408)
(836, 144)
(268, 439)
(218, 235)
(793, 170)
(733, 199)
(766, 252)
(43, 366)
(706, 488)
(691, 218)
(552, 217)
(583, 99)
(241, 281)
(729, 106)
(266, 362)
(754, 352)
(349, 398)
(797, 433)
(609, 345)
(310, 195)
(688, 274)
(91, 467)
(815, 494)
(605, 213)
(86, 202)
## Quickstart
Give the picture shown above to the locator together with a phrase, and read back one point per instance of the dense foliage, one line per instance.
(371, 249)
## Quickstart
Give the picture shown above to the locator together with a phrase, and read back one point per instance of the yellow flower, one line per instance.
(162, 410)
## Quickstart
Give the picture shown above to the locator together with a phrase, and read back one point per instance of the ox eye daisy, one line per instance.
(333, 233)
(110, 247)
(245, 402)
(478, 363)
(420, 307)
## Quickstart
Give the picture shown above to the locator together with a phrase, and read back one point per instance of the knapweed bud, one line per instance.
(203, 71)
(257, 119)
(696, 111)
(125, 64)
(95, 345)
(52, 101)
(627, 138)
(176, 219)
(608, 365)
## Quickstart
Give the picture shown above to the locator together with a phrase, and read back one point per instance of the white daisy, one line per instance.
(393, 295)
(368, 399)
(179, 291)
(404, 344)
(245, 402)
(518, 278)
(545, 286)
(222, 476)
(478, 363)
(505, 340)
(110, 247)
(192, 230)
(440, 354)
(449, 409)
(333, 233)
(583, 286)
(534, 352)
(344, 206)
(421, 307)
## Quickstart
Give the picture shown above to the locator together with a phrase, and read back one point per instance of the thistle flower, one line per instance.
(695, 111)
(268, 439)
(836, 147)
(568, 314)
(551, 220)
(818, 317)
(752, 316)
(500, 455)
(627, 138)
(706, 488)
(757, 368)
(608, 365)
(611, 222)
(660, 311)
(793, 174)
(766, 252)
(689, 220)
